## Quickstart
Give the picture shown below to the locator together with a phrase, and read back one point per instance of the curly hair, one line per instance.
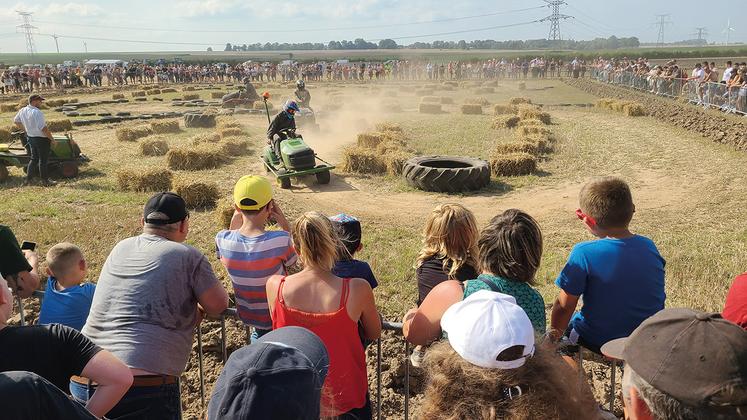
(458, 389)
(450, 233)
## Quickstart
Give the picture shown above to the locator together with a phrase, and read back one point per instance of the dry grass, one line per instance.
(8, 107)
(59, 125)
(477, 101)
(519, 100)
(471, 109)
(395, 160)
(132, 133)
(534, 129)
(231, 132)
(205, 138)
(428, 108)
(197, 194)
(505, 121)
(372, 140)
(144, 179)
(164, 127)
(503, 109)
(224, 121)
(362, 160)
(634, 110)
(154, 146)
(224, 213)
(515, 164)
(389, 126)
(216, 95)
(196, 158)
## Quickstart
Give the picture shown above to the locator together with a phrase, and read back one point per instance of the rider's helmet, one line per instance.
(291, 105)
(300, 84)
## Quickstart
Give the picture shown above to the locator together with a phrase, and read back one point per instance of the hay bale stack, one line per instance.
(59, 125)
(155, 146)
(515, 164)
(142, 180)
(138, 93)
(430, 99)
(230, 132)
(168, 90)
(391, 146)
(619, 105)
(153, 92)
(634, 110)
(117, 96)
(427, 108)
(225, 121)
(8, 107)
(216, 95)
(505, 121)
(446, 100)
(477, 101)
(516, 147)
(205, 138)
(132, 133)
(543, 144)
(196, 158)
(395, 160)
(519, 100)
(372, 140)
(163, 127)
(197, 194)
(522, 86)
(502, 109)
(472, 109)
(234, 146)
(531, 123)
(362, 160)
(191, 96)
(528, 113)
(534, 129)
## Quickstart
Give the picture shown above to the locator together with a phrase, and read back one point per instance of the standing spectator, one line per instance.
(66, 300)
(330, 307)
(735, 308)
(40, 140)
(146, 307)
(683, 364)
(17, 266)
(56, 352)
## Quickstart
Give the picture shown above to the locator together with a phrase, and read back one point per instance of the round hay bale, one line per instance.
(195, 158)
(477, 101)
(501, 109)
(59, 125)
(154, 147)
(216, 95)
(362, 160)
(516, 147)
(231, 132)
(132, 133)
(205, 138)
(446, 100)
(427, 108)
(505, 121)
(522, 86)
(138, 93)
(528, 113)
(430, 99)
(199, 120)
(191, 96)
(519, 100)
(168, 90)
(634, 110)
(234, 146)
(142, 180)
(515, 164)
(471, 109)
(163, 127)
(197, 194)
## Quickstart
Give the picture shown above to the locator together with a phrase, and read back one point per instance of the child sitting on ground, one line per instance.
(349, 230)
(250, 254)
(620, 275)
(67, 299)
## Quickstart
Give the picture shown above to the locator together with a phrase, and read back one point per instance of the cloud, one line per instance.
(56, 10)
(252, 9)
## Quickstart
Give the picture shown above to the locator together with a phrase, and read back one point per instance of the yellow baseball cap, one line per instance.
(252, 192)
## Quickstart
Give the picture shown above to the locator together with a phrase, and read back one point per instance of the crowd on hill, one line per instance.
(307, 301)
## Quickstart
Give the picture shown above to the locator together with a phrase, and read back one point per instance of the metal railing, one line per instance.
(706, 94)
(395, 327)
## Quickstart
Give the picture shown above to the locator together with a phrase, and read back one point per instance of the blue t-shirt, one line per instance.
(355, 269)
(622, 284)
(67, 307)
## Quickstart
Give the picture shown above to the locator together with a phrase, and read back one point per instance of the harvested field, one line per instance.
(505, 121)
(132, 133)
(234, 146)
(196, 158)
(154, 146)
(428, 108)
(231, 132)
(519, 101)
(206, 138)
(197, 194)
(164, 127)
(143, 180)
(477, 101)
(501, 109)
(526, 113)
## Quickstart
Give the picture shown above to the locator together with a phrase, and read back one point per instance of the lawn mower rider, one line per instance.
(302, 95)
(246, 94)
(282, 122)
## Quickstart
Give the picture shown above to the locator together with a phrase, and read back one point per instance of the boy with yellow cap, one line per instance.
(250, 254)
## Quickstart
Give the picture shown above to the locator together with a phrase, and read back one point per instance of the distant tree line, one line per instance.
(610, 43)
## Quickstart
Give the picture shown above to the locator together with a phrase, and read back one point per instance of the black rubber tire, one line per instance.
(323, 177)
(468, 174)
(285, 183)
(199, 120)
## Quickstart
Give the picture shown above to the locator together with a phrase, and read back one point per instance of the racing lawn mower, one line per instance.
(240, 98)
(306, 119)
(296, 158)
(65, 157)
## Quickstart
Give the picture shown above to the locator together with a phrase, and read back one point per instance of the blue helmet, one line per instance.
(288, 105)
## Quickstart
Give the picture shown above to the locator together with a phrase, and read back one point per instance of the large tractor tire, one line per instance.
(447, 174)
(199, 120)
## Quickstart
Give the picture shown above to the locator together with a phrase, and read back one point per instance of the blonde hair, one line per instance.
(450, 233)
(63, 257)
(316, 240)
(457, 389)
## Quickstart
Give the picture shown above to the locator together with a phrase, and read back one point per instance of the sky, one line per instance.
(193, 25)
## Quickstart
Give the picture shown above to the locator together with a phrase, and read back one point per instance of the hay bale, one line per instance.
(191, 96)
(505, 121)
(391, 146)
(522, 86)
(59, 125)
(234, 146)
(372, 140)
(516, 147)
(519, 100)
(197, 194)
(8, 107)
(362, 160)
(634, 110)
(196, 158)
(153, 92)
(542, 144)
(225, 121)
(168, 90)
(428, 108)
(154, 146)
(502, 109)
(71, 100)
(224, 213)
(534, 129)
(388, 126)
(528, 113)
(163, 127)
(530, 122)
(117, 96)
(138, 93)
(205, 138)
(471, 109)
(231, 132)
(446, 100)
(430, 99)
(188, 89)
(132, 133)
(216, 95)
(395, 160)
(605, 103)
(515, 164)
(477, 101)
(141, 180)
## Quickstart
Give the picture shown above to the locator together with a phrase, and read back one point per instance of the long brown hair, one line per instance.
(511, 246)
(450, 233)
(459, 390)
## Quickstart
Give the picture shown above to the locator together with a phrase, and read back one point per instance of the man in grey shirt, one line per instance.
(146, 307)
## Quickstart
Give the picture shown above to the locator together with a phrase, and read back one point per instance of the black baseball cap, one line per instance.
(165, 208)
(697, 358)
(35, 97)
(280, 376)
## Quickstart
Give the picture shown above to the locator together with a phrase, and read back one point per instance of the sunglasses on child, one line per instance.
(581, 216)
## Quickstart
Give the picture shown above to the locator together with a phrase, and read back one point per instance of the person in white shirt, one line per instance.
(40, 140)
(727, 72)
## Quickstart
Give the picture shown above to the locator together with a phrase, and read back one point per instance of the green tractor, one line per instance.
(65, 157)
(296, 159)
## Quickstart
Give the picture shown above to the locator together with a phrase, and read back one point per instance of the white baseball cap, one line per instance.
(485, 324)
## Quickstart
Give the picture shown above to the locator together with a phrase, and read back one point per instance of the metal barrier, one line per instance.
(706, 94)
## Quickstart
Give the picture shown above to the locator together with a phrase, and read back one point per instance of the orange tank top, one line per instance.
(347, 383)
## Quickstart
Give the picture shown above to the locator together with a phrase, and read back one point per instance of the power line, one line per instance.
(511, 25)
(662, 21)
(555, 19)
(28, 30)
(136, 41)
(343, 28)
(701, 32)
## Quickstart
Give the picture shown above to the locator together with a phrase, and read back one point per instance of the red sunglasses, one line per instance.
(581, 216)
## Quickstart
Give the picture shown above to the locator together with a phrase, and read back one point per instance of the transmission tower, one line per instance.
(555, 19)
(28, 30)
(662, 21)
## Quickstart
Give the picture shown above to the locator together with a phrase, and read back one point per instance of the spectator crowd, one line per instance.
(117, 349)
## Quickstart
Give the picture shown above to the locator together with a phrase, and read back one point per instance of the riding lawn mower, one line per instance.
(65, 157)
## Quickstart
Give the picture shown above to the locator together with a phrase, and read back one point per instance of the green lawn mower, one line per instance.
(65, 157)
(296, 159)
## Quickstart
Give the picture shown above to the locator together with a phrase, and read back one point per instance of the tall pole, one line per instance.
(56, 45)
(662, 21)
(28, 30)
(85, 47)
(701, 32)
(555, 19)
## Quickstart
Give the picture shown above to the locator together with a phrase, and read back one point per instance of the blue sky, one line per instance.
(195, 24)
